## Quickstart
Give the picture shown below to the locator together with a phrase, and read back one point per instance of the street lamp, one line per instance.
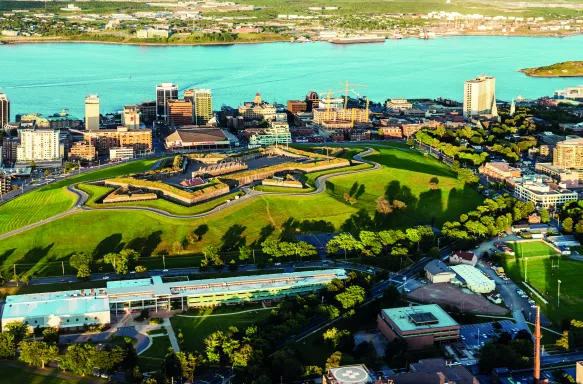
(558, 293)
(525, 269)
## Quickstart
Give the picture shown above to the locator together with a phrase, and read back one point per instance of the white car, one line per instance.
(164, 270)
(407, 290)
(105, 277)
(277, 264)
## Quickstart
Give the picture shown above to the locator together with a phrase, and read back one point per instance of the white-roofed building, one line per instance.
(475, 280)
(65, 309)
(129, 295)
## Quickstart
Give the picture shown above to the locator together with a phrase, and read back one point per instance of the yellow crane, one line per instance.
(328, 98)
(346, 84)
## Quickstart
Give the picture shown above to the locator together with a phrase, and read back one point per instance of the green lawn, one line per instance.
(543, 274)
(53, 199)
(195, 330)
(532, 249)
(14, 374)
(159, 347)
(404, 175)
(270, 188)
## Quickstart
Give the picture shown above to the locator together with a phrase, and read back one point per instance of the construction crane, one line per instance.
(346, 84)
(328, 98)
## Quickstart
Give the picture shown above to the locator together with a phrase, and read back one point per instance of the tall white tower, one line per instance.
(92, 113)
(479, 96)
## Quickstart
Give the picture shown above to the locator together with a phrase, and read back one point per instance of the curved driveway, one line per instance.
(82, 198)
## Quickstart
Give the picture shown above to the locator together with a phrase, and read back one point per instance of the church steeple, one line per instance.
(512, 108)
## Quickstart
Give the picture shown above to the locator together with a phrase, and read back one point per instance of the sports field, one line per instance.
(53, 199)
(195, 330)
(404, 176)
(531, 249)
(543, 274)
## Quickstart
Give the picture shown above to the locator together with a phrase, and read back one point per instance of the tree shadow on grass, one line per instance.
(35, 254)
(4, 256)
(145, 245)
(393, 161)
(233, 239)
(201, 230)
(264, 233)
(109, 244)
(359, 221)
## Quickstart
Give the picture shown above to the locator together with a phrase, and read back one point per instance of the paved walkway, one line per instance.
(171, 335)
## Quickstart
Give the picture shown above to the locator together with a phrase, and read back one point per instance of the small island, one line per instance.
(566, 69)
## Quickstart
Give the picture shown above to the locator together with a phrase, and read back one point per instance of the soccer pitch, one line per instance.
(532, 249)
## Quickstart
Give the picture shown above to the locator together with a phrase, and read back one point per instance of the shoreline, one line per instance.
(12, 41)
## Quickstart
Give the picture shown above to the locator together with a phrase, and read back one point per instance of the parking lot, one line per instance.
(486, 331)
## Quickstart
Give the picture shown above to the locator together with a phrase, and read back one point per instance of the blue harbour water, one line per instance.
(46, 78)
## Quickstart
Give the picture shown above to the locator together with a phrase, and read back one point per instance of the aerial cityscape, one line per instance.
(263, 191)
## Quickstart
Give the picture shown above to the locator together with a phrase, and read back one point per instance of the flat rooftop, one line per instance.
(143, 289)
(419, 317)
(63, 303)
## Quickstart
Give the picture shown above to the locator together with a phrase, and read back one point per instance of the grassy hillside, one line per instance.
(566, 69)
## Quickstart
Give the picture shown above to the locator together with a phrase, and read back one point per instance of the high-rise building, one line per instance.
(179, 112)
(203, 106)
(131, 116)
(479, 96)
(4, 110)
(148, 111)
(9, 149)
(39, 145)
(92, 112)
(568, 154)
(164, 93)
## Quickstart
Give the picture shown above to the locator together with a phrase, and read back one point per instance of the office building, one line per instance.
(92, 113)
(277, 133)
(131, 116)
(74, 309)
(164, 93)
(202, 106)
(82, 151)
(542, 194)
(312, 100)
(9, 150)
(568, 154)
(296, 106)
(38, 145)
(4, 110)
(257, 110)
(126, 153)
(398, 104)
(148, 111)
(153, 293)
(104, 139)
(352, 115)
(479, 96)
(499, 171)
(179, 112)
(64, 309)
(474, 278)
(419, 326)
(570, 93)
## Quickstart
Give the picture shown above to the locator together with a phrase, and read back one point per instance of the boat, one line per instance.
(358, 39)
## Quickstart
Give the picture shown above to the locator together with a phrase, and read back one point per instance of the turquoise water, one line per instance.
(46, 78)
